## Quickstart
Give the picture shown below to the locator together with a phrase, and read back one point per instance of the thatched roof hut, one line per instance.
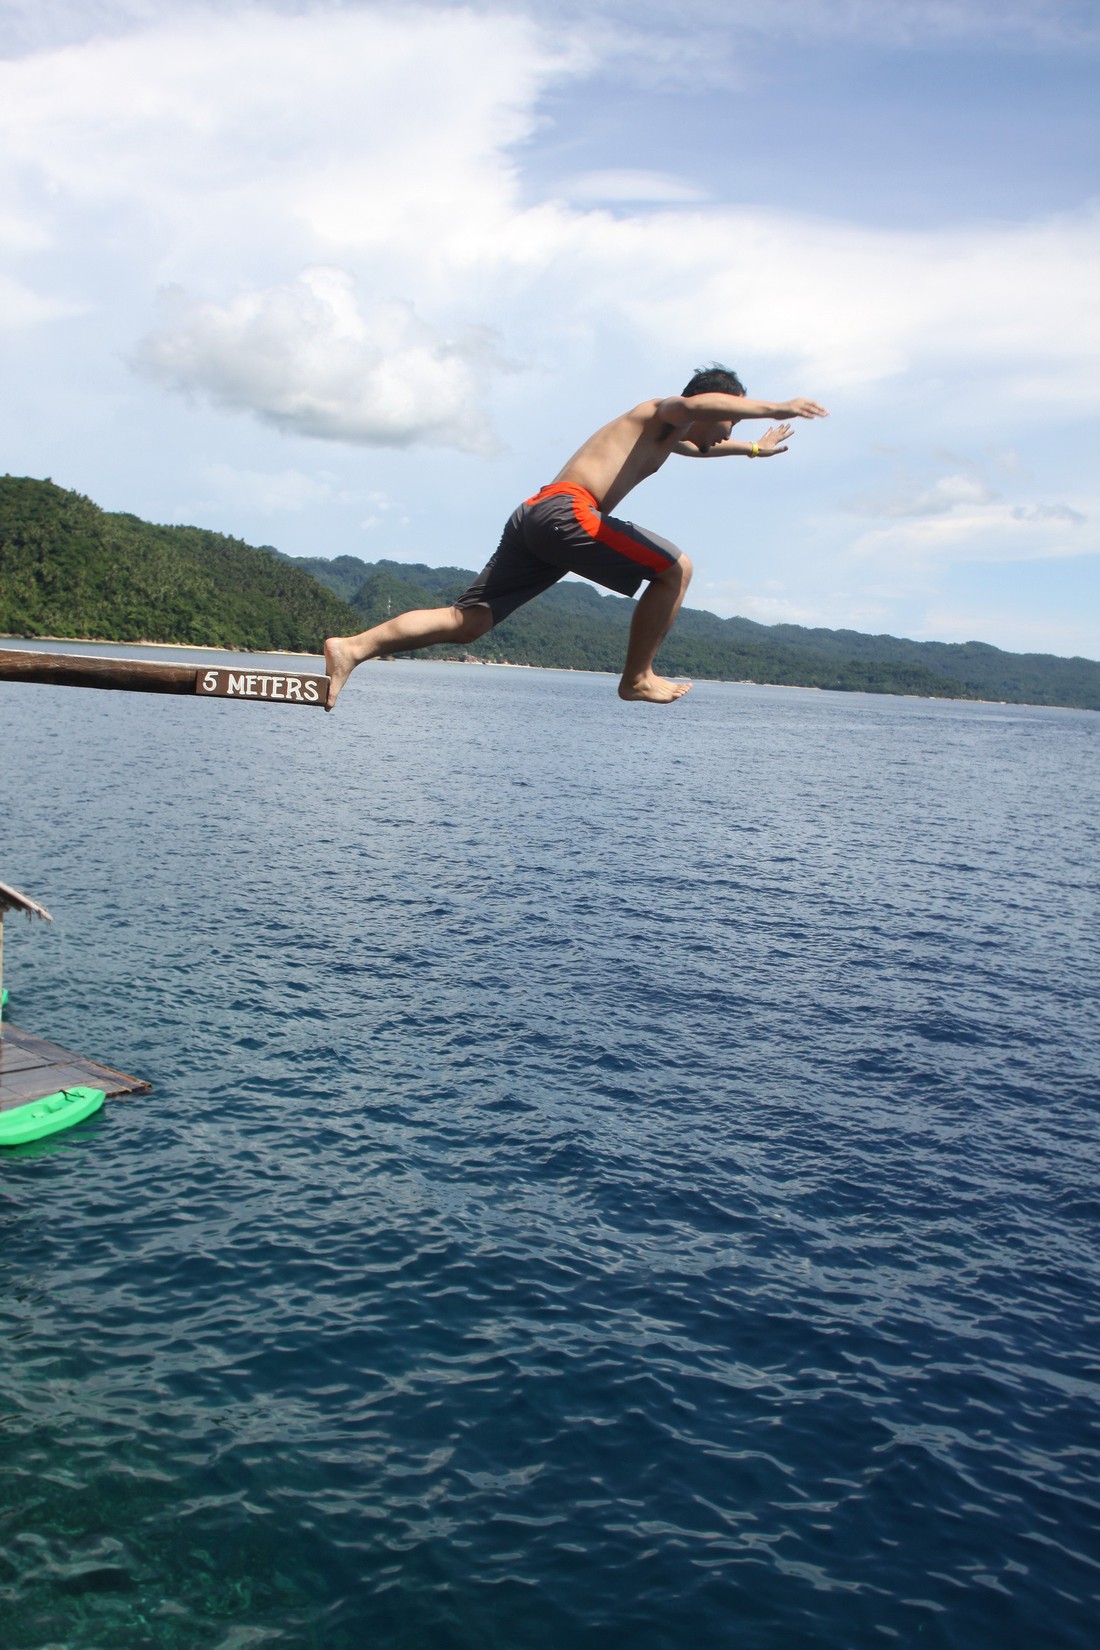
(12, 900)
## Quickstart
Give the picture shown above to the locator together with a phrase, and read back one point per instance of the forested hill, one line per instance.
(68, 568)
(574, 625)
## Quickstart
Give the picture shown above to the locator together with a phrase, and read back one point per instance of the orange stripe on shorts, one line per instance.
(587, 514)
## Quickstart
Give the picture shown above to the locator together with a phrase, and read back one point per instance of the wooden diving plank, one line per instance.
(259, 685)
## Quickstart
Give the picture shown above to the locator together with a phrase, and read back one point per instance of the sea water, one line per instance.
(615, 1176)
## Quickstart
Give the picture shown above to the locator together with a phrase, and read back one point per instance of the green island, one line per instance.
(69, 569)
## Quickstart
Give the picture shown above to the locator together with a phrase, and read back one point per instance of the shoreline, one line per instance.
(563, 670)
(183, 647)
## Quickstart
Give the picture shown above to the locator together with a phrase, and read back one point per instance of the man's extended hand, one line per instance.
(768, 445)
(801, 408)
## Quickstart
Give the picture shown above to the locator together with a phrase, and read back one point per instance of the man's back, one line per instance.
(622, 453)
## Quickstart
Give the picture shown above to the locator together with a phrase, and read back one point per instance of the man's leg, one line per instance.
(421, 628)
(652, 621)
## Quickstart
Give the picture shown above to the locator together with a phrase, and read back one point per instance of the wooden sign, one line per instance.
(274, 686)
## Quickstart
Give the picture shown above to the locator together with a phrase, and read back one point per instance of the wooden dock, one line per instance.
(31, 1068)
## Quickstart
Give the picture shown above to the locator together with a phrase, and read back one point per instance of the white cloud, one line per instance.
(729, 598)
(380, 507)
(1063, 513)
(223, 153)
(245, 131)
(627, 184)
(934, 498)
(845, 307)
(959, 517)
(994, 533)
(305, 358)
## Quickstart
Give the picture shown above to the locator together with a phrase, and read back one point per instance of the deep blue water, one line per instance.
(616, 1176)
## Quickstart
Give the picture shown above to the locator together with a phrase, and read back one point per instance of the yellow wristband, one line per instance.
(754, 450)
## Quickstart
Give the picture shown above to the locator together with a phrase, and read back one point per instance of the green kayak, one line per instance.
(48, 1116)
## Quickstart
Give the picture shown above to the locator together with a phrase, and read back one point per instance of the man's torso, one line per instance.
(621, 454)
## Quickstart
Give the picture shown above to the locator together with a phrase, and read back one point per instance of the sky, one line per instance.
(354, 278)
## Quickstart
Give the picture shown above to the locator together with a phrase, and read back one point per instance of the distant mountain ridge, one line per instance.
(68, 568)
(575, 626)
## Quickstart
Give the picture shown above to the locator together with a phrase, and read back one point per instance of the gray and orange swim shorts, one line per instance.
(559, 531)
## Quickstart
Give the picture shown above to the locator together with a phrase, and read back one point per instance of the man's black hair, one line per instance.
(715, 377)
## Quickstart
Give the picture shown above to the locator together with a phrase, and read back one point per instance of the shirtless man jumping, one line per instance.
(566, 528)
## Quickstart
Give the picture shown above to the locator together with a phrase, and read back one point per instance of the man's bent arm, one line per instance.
(771, 442)
(725, 449)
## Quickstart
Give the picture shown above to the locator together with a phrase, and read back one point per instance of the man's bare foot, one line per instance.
(656, 690)
(340, 660)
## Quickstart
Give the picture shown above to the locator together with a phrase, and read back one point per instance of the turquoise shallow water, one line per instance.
(615, 1176)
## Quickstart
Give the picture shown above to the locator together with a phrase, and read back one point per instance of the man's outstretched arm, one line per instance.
(689, 409)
